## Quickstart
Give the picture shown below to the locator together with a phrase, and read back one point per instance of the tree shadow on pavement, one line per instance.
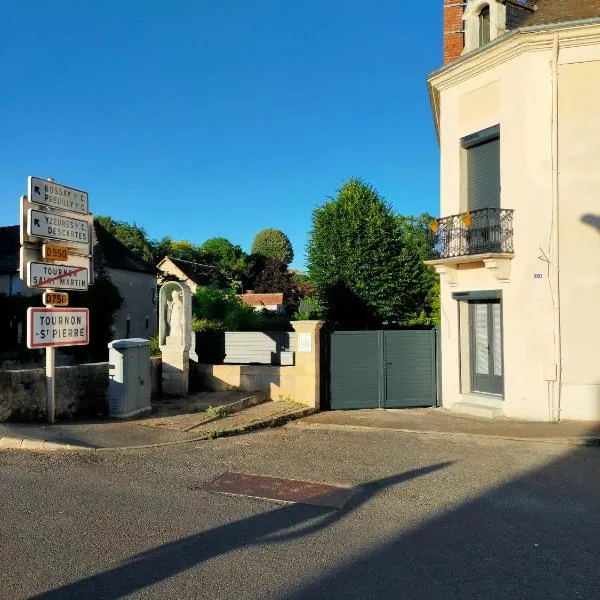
(537, 536)
(273, 526)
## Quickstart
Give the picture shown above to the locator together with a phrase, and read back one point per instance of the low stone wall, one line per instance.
(80, 390)
(276, 382)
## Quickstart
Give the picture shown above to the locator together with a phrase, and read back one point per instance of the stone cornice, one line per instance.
(505, 48)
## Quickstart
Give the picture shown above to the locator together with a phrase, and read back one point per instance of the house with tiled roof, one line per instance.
(517, 244)
(193, 274)
(134, 278)
(269, 302)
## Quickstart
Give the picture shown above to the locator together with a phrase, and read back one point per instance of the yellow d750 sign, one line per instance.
(51, 252)
(56, 299)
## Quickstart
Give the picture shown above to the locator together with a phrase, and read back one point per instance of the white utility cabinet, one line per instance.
(129, 377)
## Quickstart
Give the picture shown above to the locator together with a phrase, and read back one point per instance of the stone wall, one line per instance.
(300, 383)
(80, 391)
(275, 382)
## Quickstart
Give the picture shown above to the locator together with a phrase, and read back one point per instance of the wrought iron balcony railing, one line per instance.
(484, 231)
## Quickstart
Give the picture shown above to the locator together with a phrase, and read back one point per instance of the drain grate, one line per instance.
(283, 490)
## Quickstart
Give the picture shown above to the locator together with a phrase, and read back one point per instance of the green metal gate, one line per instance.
(382, 369)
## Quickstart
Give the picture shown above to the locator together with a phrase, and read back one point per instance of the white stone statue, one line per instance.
(175, 337)
(175, 318)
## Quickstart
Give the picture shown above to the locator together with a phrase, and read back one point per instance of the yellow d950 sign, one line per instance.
(56, 299)
(51, 252)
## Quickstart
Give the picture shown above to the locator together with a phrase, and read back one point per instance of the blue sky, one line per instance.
(198, 118)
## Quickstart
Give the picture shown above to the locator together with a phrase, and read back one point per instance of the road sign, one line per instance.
(59, 277)
(58, 196)
(33, 253)
(50, 252)
(55, 226)
(84, 249)
(52, 327)
(55, 298)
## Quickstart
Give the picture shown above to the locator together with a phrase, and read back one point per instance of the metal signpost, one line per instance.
(56, 254)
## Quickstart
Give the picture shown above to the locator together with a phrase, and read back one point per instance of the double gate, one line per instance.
(382, 369)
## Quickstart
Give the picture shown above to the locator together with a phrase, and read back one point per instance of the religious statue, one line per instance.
(175, 317)
(175, 337)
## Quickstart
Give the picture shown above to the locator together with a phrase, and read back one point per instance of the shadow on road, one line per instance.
(165, 561)
(534, 537)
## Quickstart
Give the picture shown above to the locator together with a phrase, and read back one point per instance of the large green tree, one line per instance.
(416, 231)
(273, 243)
(230, 258)
(365, 270)
(132, 236)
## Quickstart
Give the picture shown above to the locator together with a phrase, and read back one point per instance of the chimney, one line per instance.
(454, 36)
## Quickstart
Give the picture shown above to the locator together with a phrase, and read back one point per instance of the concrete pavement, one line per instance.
(438, 421)
(206, 415)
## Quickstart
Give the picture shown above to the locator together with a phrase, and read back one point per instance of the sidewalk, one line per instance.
(198, 417)
(444, 422)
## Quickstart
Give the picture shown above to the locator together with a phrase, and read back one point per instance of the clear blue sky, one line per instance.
(197, 119)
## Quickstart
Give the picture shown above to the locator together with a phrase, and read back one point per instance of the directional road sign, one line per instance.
(55, 226)
(51, 327)
(33, 253)
(55, 195)
(59, 277)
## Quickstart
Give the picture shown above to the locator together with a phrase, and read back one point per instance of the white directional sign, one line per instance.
(51, 327)
(55, 226)
(33, 254)
(57, 277)
(55, 195)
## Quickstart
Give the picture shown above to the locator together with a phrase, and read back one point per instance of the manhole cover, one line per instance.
(284, 490)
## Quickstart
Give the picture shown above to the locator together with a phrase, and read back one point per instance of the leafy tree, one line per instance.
(185, 250)
(132, 236)
(161, 248)
(229, 258)
(273, 243)
(366, 273)
(416, 231)
(222, 310)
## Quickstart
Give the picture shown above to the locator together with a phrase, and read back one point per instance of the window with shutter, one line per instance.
(483, 175)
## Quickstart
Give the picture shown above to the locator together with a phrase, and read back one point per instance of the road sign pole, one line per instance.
(50, 379)
(50, 372)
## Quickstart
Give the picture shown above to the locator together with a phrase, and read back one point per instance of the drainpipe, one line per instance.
(554, 244)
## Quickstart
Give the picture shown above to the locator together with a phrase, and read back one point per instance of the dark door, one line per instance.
(382, 369)
(410, 374)
(486, 347)
(355, 380)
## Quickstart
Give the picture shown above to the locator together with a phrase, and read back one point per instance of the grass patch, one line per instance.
(218, 411)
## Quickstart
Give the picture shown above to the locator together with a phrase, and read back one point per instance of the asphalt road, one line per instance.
(434, 518)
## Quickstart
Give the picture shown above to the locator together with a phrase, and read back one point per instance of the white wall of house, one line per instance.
(510, 84)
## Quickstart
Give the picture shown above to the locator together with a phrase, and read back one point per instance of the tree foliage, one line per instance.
(273, 243)
(230, 258)
(132, 236)
(363, 262)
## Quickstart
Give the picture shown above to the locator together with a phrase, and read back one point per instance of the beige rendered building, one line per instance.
(517, 112)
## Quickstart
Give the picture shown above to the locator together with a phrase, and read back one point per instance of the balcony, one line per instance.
(479, 236)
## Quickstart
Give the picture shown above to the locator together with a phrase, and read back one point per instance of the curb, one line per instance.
(14, 443)
(567, 441)
(276, 420)
(230, 409)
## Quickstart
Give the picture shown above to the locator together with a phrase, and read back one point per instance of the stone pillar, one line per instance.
(307, 368)
(175, 370)
(175, 337)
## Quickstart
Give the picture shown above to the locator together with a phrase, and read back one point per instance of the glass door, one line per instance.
(486, 347)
